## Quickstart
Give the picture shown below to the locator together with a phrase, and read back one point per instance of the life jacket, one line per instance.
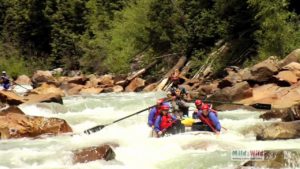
(206, 120)
(157, 113)
(5, 79)
(166, 121)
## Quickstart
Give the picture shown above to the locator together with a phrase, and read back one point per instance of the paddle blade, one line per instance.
(94, 129)
(262, 106)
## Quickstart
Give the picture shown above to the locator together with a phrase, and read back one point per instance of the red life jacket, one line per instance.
(206, 120)
(166, 121)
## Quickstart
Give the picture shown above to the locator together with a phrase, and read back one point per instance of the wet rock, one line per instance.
(103, 152)
(261, 72)
(80, 80)
(106, 80)
(46, 98)
(279, 130)
(117, 89)
(237, 92)
(228, 107)
(10, 98)
(230, 80)
(292, 57)
(11, 109)
(287, 76)
(42, 76)
(47, 89)
(279, 97)
(276, 159)
(23, 80)
(91, 90)
(293, 66)
(135, 84)
(285, 114)
(207, 89)
(73, 89)
(151, 87)
(15, 125)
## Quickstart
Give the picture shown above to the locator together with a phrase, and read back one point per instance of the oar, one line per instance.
(256, 105)
(100, 127)
(21, 86)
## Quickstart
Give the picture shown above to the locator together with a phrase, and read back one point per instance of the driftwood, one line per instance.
(141, 71)
(210, 60)
(163, 82)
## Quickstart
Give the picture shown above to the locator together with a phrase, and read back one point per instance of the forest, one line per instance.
(121, 36)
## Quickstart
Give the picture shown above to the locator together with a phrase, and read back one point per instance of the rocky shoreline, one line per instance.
(275, 82)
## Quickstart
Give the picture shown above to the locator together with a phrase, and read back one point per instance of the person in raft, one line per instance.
(166, 123)
(209, 120)
(199, 107)
(154, 113)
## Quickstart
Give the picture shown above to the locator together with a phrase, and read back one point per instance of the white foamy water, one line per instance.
(136, 149)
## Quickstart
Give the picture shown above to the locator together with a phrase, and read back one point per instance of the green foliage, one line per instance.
(107, 35)
(129, 36)
(26, 26)
(68, 24)
(278, 34)
(11, 61)
(96, 38)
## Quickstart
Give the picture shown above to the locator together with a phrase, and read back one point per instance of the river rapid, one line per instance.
(136, 149)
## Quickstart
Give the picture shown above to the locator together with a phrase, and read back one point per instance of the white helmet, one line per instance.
(3, 72)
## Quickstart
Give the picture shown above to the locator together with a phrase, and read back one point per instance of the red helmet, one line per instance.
(198, 102)
(205, 107)
(160, 101)
(165, 107)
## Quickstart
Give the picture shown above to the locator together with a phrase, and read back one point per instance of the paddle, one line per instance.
(100, 127)
(256, 105)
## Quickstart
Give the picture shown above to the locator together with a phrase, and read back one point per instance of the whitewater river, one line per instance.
(136, 149)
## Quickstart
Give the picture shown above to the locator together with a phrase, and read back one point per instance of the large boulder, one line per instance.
(46, 88)
(275, 159)
(292, 57)
(260, 72)
(15, 125)
(91, 90)
(151, 87)
(237, 92)
(42, 76)
(106, 81)
(293, 66)
(103, 152)
(288, 76)
(135, 85)
(285, 114)
(117, 89)
(23, 80)
(279, 130)
(72, 89)
(11, 109)
(10, 98)
(45, 98)
(207, 89)
(230, 80)
(80, 80)
(279, 97)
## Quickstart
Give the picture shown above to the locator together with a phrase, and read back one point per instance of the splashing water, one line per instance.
(136, 149)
